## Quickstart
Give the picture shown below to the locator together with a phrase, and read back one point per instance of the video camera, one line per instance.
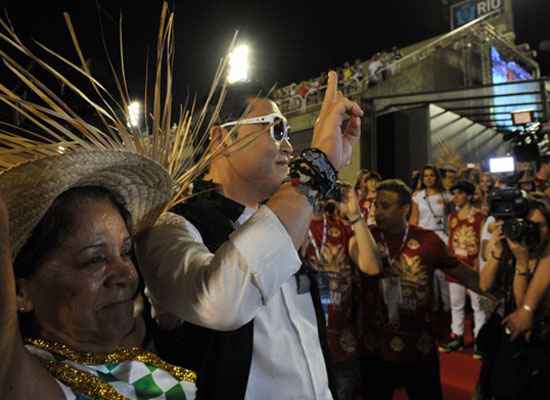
(512, 206)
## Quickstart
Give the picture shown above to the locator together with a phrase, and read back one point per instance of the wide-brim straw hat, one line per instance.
(29, 189)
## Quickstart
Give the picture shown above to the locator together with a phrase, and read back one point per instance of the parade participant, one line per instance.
(338, 240)
(398, 344)
(464, 243)
(232, 265)
(76, 195)
(368, 197)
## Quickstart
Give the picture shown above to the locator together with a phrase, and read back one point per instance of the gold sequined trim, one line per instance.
(118, 356)
(83, 382)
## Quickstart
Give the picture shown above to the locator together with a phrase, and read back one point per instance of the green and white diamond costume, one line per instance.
(142, 376)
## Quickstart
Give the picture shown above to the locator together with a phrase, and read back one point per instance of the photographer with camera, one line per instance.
(339, 239)
(516, 270)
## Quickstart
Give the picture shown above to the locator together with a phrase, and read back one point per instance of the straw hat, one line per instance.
(29, 189)
(148, 171)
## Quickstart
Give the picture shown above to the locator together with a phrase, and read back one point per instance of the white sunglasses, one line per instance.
(279, 125)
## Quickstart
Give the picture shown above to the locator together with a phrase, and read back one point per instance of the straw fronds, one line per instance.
(54, 127)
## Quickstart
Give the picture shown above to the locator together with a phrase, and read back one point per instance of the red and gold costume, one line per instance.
(341, 276)
(397, 327)
(465, 237)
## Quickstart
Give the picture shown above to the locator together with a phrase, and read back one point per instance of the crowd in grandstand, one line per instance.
(353, 77)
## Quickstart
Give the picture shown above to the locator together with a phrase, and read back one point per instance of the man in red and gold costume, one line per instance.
(398, 342)
(465, 226)
(338, 240)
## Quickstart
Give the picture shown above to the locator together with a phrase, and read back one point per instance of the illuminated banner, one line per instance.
(468, 10)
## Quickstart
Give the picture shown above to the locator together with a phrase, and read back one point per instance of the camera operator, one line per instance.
(517, 268)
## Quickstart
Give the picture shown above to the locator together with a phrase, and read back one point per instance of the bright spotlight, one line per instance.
(134, 114)
(239, 64)
(61, 149)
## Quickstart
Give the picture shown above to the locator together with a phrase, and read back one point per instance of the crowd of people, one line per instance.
(272, 280)
(353, 77)
(439, 244)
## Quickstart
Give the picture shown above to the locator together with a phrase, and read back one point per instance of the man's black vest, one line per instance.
(221, 359)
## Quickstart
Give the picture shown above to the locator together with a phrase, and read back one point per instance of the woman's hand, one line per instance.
(518, 323)
(349, 206)
(494, 246)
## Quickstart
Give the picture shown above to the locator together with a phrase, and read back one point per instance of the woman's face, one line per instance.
(429, 178)
(372, 184)
(83, 293)
(486, 183)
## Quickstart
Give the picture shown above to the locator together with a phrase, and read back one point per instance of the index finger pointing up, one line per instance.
(330, 93)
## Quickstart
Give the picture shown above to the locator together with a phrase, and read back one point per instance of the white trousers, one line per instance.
(458, 300)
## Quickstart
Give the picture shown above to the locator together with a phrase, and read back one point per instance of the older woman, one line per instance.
(69, 329)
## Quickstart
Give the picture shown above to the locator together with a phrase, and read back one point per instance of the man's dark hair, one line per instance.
(236, 100)
(397, 186)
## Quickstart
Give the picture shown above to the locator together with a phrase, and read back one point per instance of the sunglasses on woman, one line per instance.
(278, 125)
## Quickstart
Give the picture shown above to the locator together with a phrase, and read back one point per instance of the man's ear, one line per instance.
(222, 136)
(23, 295)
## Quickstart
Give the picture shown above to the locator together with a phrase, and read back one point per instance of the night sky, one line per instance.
(291, 41)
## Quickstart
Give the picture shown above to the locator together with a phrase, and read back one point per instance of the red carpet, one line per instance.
(459, 371)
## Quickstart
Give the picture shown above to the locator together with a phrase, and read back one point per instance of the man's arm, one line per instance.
(336, 142)
(221, 291)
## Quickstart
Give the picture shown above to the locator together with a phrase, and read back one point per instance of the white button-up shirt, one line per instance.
(251, 276)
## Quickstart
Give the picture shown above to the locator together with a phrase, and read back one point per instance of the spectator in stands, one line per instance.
(398, 339)
(375, 66)
(302, 89)
(347, 72)
(357, 70)
(465, 225)
(396, 53)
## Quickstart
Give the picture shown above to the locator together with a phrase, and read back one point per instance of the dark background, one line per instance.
(291, 41)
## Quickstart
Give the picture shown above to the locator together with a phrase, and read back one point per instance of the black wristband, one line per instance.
(314, 169)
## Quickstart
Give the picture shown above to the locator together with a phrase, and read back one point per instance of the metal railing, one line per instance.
(299, 104)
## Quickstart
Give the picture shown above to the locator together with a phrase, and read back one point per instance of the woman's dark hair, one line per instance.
(57, 224)
(438, 180)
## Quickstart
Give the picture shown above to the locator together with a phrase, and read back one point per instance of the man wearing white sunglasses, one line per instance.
(225, 281)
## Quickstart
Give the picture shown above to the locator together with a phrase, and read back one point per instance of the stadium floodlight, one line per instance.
(134, 114)
(239, 64)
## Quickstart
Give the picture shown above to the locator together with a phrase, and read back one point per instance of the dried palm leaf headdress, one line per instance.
(150, 173)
